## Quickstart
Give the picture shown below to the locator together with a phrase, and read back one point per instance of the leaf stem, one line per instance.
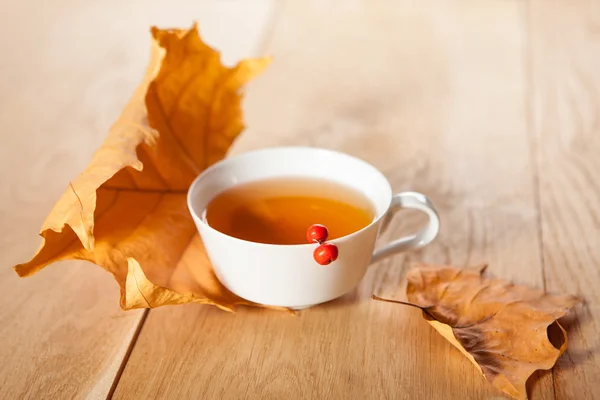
(404, 303)
(374, 297)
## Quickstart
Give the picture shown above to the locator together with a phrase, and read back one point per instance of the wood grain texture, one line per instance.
(68, 68)
(565, 124)
(433, 95)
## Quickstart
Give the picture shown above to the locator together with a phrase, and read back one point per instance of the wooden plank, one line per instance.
(431, 94)
(67, 70)
(565, 115)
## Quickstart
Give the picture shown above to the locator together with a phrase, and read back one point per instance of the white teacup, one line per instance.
(287, 275)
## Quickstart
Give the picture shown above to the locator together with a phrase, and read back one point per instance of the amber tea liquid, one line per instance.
(279, 211)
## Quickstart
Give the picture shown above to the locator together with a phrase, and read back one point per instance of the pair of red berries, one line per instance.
(326, 253)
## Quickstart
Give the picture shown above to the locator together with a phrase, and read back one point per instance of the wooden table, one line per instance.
(492, 108)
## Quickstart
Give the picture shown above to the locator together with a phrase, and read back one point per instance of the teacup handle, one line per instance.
(415, 201)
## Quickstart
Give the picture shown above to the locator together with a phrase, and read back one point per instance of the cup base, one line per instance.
(302, 307)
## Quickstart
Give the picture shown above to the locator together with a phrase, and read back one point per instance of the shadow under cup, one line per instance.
(287, 275)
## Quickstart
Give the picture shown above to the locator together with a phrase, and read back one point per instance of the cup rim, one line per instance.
(227, 159)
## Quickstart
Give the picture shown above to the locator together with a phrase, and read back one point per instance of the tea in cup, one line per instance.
(253, 211)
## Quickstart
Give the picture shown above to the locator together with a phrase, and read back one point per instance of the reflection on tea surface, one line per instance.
(279, 211)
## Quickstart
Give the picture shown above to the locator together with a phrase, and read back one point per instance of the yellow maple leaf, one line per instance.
(127, 210)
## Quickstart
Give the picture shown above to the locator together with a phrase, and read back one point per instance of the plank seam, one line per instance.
(271, 25)
(125, 359)
(534, 150)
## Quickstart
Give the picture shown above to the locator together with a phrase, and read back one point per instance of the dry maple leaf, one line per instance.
(127, 210)
(502, 328)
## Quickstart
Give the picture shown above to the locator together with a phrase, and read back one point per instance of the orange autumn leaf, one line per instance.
(127, 210)
(500, 327)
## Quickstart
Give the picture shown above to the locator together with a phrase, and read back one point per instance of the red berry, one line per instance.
(317, 233)
(326, 253)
